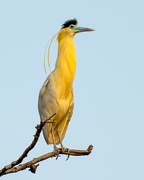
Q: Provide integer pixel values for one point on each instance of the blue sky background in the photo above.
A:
(109, 86)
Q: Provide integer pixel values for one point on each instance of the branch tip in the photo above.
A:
(90, 148)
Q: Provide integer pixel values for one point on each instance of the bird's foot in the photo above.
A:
(56, 152)
(63, 149)
(67, 157)
(67, 150)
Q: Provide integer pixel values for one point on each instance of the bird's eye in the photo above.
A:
(71, 26)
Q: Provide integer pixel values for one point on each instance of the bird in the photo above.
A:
(56, 95)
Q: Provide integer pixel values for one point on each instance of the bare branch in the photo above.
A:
(31, 146)
(32, 166)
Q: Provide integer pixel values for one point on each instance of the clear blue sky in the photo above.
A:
(109, 86)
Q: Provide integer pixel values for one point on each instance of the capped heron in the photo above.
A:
(56, 94)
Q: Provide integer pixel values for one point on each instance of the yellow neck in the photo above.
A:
(66, 60)
(66, 63)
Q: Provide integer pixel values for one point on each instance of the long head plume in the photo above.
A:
(51, 40)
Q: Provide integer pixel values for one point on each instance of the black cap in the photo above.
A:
(69, 22)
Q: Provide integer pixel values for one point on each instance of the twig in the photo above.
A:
(31, 146)
(32, 166)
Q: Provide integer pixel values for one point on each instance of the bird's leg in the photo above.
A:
(63, 149)
(55, 148)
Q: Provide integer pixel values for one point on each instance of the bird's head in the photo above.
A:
(70, 28)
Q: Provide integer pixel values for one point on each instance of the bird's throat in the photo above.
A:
(66, 64)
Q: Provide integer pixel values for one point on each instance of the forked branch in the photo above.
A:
(32, 166)
(30, 147)
(15, 166)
